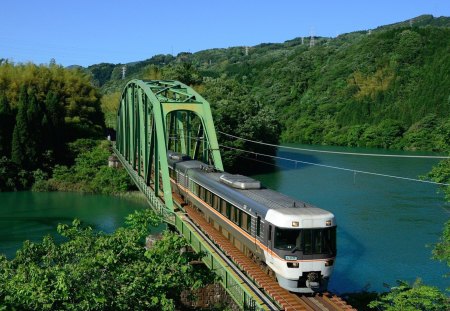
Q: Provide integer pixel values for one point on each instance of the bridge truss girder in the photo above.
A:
(156, 115)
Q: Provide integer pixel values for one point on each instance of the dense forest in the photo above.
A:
(385, 88)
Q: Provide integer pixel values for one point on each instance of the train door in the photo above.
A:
(270, 243)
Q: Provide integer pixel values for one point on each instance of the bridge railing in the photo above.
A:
(232, 284)
(156, 204)
(240, 293)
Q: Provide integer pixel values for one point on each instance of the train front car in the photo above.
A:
(301, 247)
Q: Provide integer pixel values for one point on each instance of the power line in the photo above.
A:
(338, 168)
(338, 152)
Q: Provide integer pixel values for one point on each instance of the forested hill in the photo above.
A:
(388, 87)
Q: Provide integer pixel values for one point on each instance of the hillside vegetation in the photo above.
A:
(386, 88)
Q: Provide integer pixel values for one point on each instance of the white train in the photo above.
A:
(291, 239)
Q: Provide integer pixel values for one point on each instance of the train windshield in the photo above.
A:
(309, 241)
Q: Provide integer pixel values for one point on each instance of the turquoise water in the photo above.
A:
(385, 225)
(31, 215)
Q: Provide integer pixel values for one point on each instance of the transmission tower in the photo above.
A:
(124, 70)
(312, 41)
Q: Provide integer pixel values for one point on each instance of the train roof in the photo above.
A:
(253, 200)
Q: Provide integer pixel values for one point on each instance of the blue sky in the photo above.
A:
(88, 32)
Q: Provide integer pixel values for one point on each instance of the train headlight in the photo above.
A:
(287, 257)
(328, 223)
(293, 264)
(329, 263)
(295, 224)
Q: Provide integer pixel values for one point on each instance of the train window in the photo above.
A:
(208, 197)
(223, 207)
(310, 241)
(317, 242)
(258, 226)
(246, 221)
(236, 215)
(216, 202)
(195, 188)
(288, 239)
(202, 193)
(307, 242)
(229, 210)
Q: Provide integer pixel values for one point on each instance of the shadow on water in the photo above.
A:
(353, 254)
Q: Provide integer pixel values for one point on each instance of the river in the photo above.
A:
(385, 225)
(32, 215)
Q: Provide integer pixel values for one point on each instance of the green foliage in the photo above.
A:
(101, 72)
(405, 297)
(184, 72)
(41, 109)
(90, 172)
(110, 105)
(73, 99)
(12, 177)
(441, 174)
(342, 91)
(234, 111)
(441, 251)
(97, 271)
(6, 128)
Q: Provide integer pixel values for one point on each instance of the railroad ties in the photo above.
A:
(286, 300)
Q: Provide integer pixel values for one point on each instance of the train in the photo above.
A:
(291, 240)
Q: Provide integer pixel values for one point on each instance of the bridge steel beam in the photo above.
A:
(143, 129)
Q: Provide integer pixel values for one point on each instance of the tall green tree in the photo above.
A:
(6, 127)
(20, 142)
(54, 131)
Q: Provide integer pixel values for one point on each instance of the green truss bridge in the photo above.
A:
(157, 116)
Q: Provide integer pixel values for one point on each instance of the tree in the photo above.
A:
(416, 297)
(21, 132)
(237, 112)
(54, 131)
(97, 271)
(441, 251)
(6, 126)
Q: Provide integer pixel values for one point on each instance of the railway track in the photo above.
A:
(284, 299)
